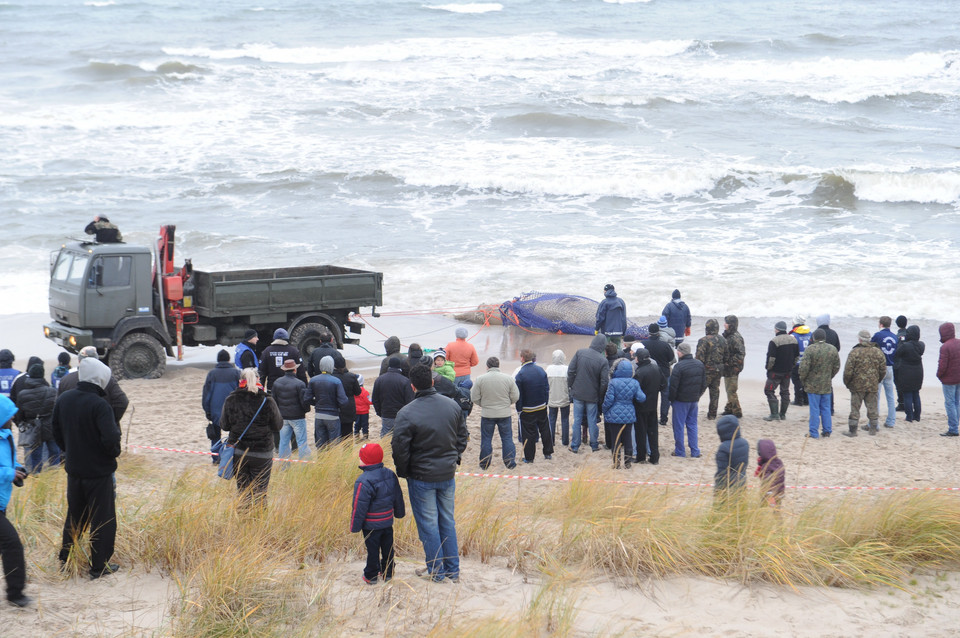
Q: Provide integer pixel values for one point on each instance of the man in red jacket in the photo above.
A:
(948, 371)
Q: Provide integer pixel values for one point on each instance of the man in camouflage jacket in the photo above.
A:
(732, 364)
(819, 364)
(865, 368)
(710, 351)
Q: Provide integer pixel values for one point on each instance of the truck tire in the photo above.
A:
(306, 337)
(138, 356)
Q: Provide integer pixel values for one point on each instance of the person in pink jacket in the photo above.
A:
(948, 371)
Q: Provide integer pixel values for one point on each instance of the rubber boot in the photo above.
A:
(853, 430)
(774, 414)
(874, 428)
(784, 404)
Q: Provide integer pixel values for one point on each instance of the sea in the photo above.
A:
(767, 159)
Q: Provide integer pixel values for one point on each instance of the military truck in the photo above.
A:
(134, 306)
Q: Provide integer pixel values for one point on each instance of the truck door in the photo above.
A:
(110, 291)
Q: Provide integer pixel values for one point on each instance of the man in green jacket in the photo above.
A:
(819, 364)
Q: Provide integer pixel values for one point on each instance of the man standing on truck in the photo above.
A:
(246, 354)
(106, 233)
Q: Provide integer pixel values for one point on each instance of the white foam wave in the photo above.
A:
(922, 187)
(96, 3)
(473, 7)
(627, 1)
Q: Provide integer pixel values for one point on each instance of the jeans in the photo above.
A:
(362, 424)
(379, 544)
(326, 430)
(564, 423)
(291, 428)
(820, 413)
(386, 426)
(887, 386)
(432, 505)
(911, 405)
(951, 401)
(578, 408)
(509, 449)
(35, 459)
(685, 417)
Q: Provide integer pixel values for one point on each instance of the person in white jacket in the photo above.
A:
(559, 401)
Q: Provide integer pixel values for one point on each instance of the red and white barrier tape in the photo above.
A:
(566, 479)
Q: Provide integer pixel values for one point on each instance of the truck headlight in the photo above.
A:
(46, 331)
(188, 301)
(72, 341)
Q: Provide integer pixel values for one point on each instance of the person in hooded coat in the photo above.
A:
(611, 316)
(392, 349)
(115, 396)
(908, 372)
(587, 379)
(11, 473)
(733, 455)
(771, 472)
(711, 350)
(677, 316)
(559, 401)
(733, 356)
(220, 382)
(948, 372)
(35, 402)
(619, 413)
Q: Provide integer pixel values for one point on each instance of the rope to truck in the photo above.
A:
(567, 479)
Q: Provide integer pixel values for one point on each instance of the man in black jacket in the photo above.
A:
(663, 354)
(290, 393)
(114, 395)
(85, 429)
(687, 384)
(587, 378)
(429, 439)
(782, 353)
(273, 356)
(35, 401)
(391, 391)
(325, 349)
(651, 382)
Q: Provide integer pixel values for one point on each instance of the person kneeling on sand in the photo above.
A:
(377, 500)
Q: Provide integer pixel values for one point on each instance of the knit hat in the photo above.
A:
(6, 357)
(371, 454)
(780, 325)
(608, 287)
(280, 333)
(819, 334)
(35, 371)
(864, 336)
(461, 333)
(901, 322)
(653, 329)
(676, 294)
(799, 320)
(87, 351)
(289, 364)
(394, 362)
(684, 348)
(426, 360)
(249, 334)
(439, 353)
(223, 356)
(63, 358)
(662, 321)
(637, 346)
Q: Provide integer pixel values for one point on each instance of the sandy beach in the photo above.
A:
(166, 413)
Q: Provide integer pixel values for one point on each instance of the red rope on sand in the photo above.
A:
(566, 479)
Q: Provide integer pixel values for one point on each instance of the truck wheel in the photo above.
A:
(138, 356)
(306, 337)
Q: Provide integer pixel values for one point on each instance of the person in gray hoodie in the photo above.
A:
(733, 455)
(559, 401)
(587, 378)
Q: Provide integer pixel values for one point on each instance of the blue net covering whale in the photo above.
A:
(559, 313)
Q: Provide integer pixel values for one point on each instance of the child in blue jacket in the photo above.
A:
(11, 473)
(377, 500)
(619, 414)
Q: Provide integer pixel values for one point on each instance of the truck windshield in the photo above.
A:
(62, 269)
(70, 268)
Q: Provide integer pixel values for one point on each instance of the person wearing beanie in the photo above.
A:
(712, 350)
(325, 393)
(865, 368)
(667, 333)
(391, 391)
(664, 354)
(558, 402)
(428, 443)
(35, 401)
(377, 500)
(85, 429)
(444, 366)
(22, 377)
(948, 372)
(901, 322)
(11, 473)
(7, 372)
(908, 363)
(463, 355)
(800, 332)
(687, 384)
(246, 352)
(611, 316)
(362, 402)
(115, 395)
(782, 354)
(677, 316)
(220, 382)
(497, 394)
(62, 369)
(819, 365)
(733, 357)
(887, 342)
(327, 348)
(273, 356)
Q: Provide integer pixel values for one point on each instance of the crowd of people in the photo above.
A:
(261, 397)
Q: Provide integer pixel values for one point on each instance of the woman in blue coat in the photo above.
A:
(619, 414)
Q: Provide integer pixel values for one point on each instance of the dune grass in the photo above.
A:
(260, 572)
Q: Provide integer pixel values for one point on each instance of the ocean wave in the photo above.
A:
(473, 7)
(99, 3)
(924, 187)
(540, 124)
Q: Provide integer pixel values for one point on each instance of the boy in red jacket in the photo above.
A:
(362, 402)
(377, 500)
